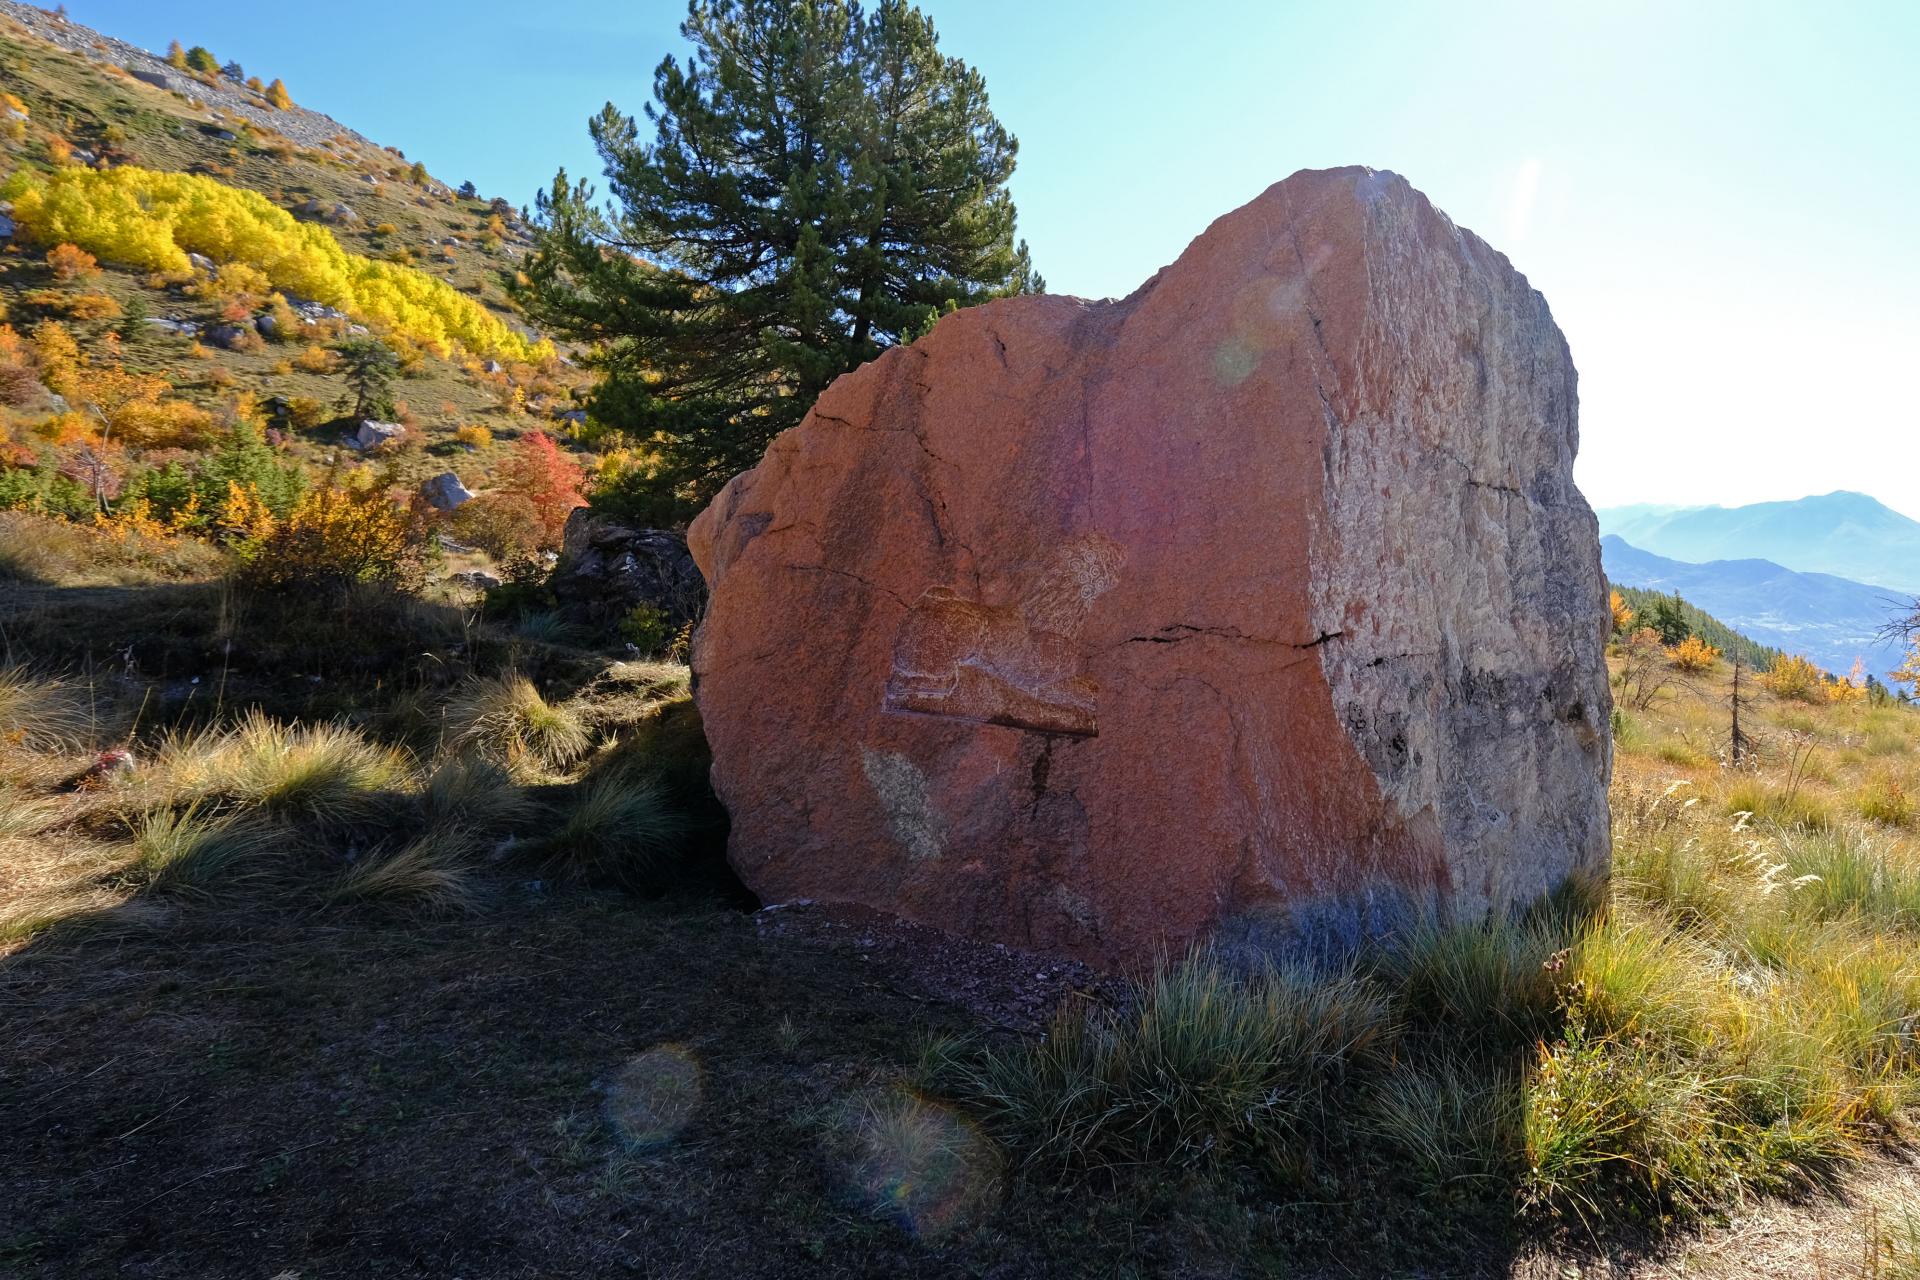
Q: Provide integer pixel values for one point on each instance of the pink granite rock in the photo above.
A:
(1260, 603)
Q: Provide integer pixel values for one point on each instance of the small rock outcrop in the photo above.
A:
(444, 492)
(372, 435)
(606, 568)
(1258, 605)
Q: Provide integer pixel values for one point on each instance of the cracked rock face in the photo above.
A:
(1259, 605)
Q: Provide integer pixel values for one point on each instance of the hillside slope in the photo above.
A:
(1826, 618)
(1848, 535)
(95, 133)
(305, 126)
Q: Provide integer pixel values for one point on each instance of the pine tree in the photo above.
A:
(823, 183)
(1670, 619)
(245, 459)
(370, 367)
(201, 59)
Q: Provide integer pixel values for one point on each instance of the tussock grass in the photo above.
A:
(40, 714)
(1883, 798)
(1842, 875)
(1792, 807)
(1203, 1065)
(433, 874)
(507, 719)
(621, 827)
(325, 775)
(1683, 753)
(191, 854)
(472, 793)
(1494, 983)
(1451, 1121)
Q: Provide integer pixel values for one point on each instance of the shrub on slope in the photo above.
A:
(143, 218)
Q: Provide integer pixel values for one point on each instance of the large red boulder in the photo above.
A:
(1259, 604)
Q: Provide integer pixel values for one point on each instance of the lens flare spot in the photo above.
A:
(654, 1096)
(1286, 299)
(917, 1162)
(1233, 360)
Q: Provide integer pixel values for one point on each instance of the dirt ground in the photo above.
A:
(584, 1084)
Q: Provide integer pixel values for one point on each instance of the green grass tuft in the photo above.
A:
(472, 793)
(1494, 983)
(1202, 1066)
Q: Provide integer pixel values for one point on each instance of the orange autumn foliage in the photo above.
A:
(69, 262)
(547, 479)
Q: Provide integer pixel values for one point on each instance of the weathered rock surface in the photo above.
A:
(444, 492)
(606, 568)
(372, 435)
(1259, 604)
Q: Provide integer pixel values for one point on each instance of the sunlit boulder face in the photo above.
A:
(1258, 605)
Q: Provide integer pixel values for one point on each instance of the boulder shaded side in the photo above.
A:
(1260, 603)
(607, 568)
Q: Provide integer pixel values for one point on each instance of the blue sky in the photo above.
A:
(1719, 199)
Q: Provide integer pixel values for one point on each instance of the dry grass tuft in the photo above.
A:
(620, 827)
(191, 854)
(506, 719)
(40, 714)
(433, 874)
(326, 775)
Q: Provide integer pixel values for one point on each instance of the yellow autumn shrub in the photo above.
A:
(339, 535)
(1792, 676)
(1693, 654)
(1851, 688)
(146, 219)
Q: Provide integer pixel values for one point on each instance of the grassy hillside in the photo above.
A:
(1754, 655)
(139, 176)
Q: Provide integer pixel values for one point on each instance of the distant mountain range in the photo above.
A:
(1849, 535)
(1830, 619)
